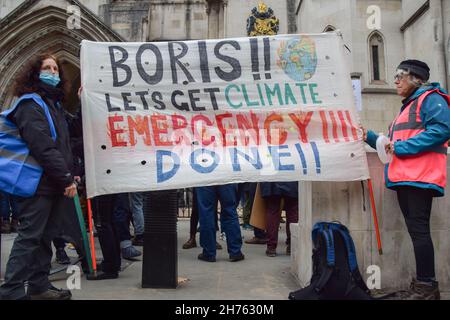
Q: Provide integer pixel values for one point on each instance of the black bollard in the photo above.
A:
(160, 260)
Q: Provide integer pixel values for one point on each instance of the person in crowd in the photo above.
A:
(42, 81)
(137, 211)
(192, 243)
(207, 198)
(121, 222)
(273, 194)
(61, 255)
(8, 213)
(103, 211)
(417, 172)
(259, 235)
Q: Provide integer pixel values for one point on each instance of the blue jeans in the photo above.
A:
(229, 221)
(137, 209)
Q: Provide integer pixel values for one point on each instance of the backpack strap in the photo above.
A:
(349, 245)
(323, 229)
(351, 253)
(326, 235)
(36, 98)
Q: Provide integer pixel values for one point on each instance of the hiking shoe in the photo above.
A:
(61, 256)
(191, 243)
(218, 246)
(256, 240)
(202, 257)
(102, 275)
(5, 227)
(271, 252)
(130, 253)
(51, 293)
(421, 291)
(138, 240)
(236, 258)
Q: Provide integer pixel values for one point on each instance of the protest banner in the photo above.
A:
(169, 115)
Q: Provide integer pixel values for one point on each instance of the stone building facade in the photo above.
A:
(408, 29)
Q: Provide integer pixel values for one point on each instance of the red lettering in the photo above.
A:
(246, 125)
(159, 126)
(179, 124)
(323, 116)
(334, 123)
(115, 133)
(302, 121)
(140, 125)
(349, 118)
(344, 126)
(224, 131)
(202, 136)
(279, 132)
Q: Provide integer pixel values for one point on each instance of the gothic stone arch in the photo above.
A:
(27, 31)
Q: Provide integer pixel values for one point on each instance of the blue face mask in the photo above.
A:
(50, 79)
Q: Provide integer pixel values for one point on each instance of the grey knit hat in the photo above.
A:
(417, 68)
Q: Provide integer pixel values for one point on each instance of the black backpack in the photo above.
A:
(335, 270)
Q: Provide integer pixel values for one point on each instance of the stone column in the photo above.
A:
(346, 202)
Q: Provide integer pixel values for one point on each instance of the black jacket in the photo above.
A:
(55, 157)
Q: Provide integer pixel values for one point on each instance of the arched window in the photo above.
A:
(329, 28)
(377, 60)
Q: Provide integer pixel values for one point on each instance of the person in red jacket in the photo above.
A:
(418, 169)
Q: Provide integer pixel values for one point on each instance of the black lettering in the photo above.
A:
(126, 101)
(142, 94)
(157, 98)
(157, 76)
(108, 104)
(183, 106)
(204, 67)
(195, 99)
(119, 64)
(175, 59)
(212, 94)
(234, 63)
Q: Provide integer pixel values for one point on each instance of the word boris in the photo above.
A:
(212, 59)
(231, 129)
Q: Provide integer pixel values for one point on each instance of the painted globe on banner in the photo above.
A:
(298, 58)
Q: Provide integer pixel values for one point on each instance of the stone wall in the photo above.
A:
(344, 202)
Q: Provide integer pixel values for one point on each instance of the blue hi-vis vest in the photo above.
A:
(19, 171)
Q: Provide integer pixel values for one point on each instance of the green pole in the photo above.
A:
(87, 248)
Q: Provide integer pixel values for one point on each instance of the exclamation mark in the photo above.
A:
(316, 156)
(255, 59)
(267, 58)
(344, 126)
(333, 121)
(349, 118)
(323, 116)
(302, 157)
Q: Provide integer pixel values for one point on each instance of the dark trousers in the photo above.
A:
(415, 204)
(122, 216)
(103, 207)
(194, 217)
(207, 198)
(40, 220)
(273, 216)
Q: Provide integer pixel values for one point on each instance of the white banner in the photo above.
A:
(170, 115)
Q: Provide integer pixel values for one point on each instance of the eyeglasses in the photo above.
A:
(399, 77)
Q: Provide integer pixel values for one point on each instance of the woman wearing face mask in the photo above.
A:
(42, 81)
